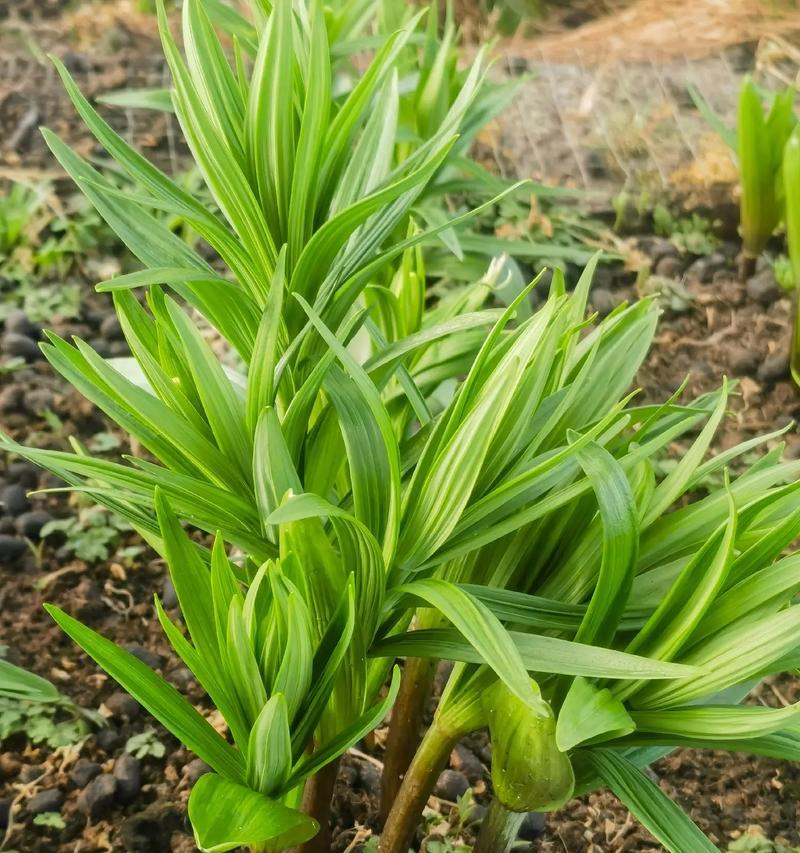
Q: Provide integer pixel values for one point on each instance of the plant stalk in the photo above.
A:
(499, 829)
(317, 797)
(416, 787)
(405, 727)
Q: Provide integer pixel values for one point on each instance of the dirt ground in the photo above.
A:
(713, 325)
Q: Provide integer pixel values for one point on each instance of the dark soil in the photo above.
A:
(713, 325)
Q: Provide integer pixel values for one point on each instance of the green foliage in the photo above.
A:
(146, 744)
(692, 235)
(91, 535)
(52, 820)
(382, 452)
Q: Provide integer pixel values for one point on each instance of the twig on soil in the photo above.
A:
(365, 757)
(27, 123)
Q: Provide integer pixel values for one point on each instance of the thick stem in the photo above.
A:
(747, 266)
(499, 829)
(317, 797)
(417, 786)
(405, 727)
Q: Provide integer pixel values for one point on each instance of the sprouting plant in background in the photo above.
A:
(341, 466)
(757, 143)
(791, 184)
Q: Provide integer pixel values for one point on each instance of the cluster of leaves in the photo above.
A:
(40, 244)
(91, 535)
(395, 471)
(32, 706)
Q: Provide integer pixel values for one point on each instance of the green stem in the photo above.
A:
(499, 829)
(405, 727)
(417, 786)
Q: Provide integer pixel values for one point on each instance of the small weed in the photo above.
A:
(145, 744)
(691, 235)
(91, 535)
(51, 819)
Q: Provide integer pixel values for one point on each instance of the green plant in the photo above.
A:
(758, 143)
(791, 177)
(31, 705)
(91, 535)
(390, 471)
(53, 820)
(693, 235)
(145, 744)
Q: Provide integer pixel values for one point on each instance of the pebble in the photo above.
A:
(602, 301)
(11, 399)
(128, 773)
(83, 772)
(39, 400)
(97, 798)
(151, 829)
(30, 772)
(20, 346)
(9, 765)
(108, 739)
(111, 328)
(532, 826)
(774, 367)
(18, 323)
(670, 266)
(195, 769)
(763, 288)
(14, 499)
(658, 247)
(30, 524)
(11, 548)
(451, 785)
(123, 706)
(5, 813)
(152, 659)
(476, 813)
(703, 269)
(24, 473)
(49, 800)
(169, 597)
(467, 762)
(743, 361)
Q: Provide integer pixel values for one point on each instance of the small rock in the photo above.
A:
(658, 248)
(532, 826)
(20, 346)
(39, 400)
(97, 798)
(50, 800)
(774, 367)
(122, 706)
(30, 772)
(9, 765)
(168, 596)
(763, 288)
(602, 301)
(5, 813)
(451, 785)
(743, 361)
(128, 773)
(108, 739)
(111, 328)
(11, 548)
(83, 772)
(670, 266)
(11, 399)
(24, 473)
(14, 499)
(30, 524)
(17, 322)
(463, 759)
(703, 269)
(195, 769)
(145, 655)
(151, 829)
